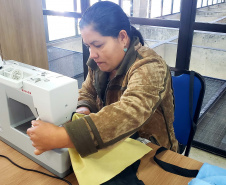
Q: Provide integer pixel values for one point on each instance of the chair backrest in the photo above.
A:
(189, 89)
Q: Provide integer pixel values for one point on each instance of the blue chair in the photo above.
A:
(189, 89)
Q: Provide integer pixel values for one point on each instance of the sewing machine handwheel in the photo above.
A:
(16, 74)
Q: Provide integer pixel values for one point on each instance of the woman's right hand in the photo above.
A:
(83, 110)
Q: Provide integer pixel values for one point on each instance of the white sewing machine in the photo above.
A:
(26, 93)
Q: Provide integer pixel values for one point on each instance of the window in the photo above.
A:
(60, 27)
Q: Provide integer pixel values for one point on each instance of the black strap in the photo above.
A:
(172, 168)
(193, 125)
(191, 90)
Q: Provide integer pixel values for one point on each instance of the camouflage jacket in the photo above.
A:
(139, 98)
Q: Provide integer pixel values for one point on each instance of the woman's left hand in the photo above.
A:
(46, 136)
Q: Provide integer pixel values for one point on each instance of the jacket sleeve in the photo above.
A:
(87, 94)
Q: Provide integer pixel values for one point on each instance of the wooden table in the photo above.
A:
(149, 172)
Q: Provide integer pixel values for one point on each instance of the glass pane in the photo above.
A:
(66, 57)
(142, 8)
(167, 7)
(173, 10)
(204, 3)
(60, 5)
(65, 49)
(126, 6)
(162, 9)
(213, 12)
(114, 1)
(208, 54)
(92, 2)
(162, 40)
(155, 8)
(209, 2)
(199, 3)
(60, 27)
(78, 6)
(176, 6)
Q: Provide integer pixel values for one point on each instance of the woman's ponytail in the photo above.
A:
(135, 32)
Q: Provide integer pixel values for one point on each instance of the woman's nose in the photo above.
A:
(93, 53)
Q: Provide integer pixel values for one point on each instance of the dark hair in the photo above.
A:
(108, 19)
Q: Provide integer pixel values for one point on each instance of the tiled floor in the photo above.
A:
(206, 157)
(211, 129)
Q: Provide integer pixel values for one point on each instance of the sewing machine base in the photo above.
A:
(62, 174)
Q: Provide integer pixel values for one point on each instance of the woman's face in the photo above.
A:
(106, 51)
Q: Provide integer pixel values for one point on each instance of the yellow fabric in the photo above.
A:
(100, 167)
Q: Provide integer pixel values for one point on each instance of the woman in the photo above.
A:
(127, 90)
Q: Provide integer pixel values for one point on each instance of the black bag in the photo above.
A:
(127, 176)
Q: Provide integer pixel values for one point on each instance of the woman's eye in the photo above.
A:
(98, 46)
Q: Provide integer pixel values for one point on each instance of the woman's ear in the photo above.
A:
(123, 36)
(124, 40)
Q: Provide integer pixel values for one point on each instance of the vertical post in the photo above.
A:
(131, 8)
(162, 7)
(184, 47)
(45, 21)
(172, 2)
(85, 58)
(76, 19)
(149, 9)
(120, 3)
(84, 5)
